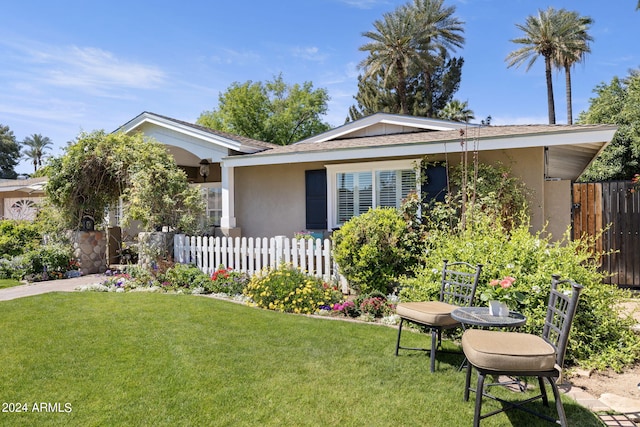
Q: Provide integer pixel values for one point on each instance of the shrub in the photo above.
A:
(12, 268)
(226, 281)
(600, 337)
(348, 308)
(18, 237)
(185, 276)
(376, 306)
(372, 250)
(47, 262)
(290, 290)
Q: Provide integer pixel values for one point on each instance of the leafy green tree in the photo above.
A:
(9, 153)
(545, 34)
(457, 111)
(274, 111)
(573, 50)
(617, 103)
(37, 144)
(99, 168)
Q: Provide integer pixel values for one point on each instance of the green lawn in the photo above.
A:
(8, 283)
(178, 360)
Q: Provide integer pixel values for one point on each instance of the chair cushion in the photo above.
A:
(507, 351)
(433, 313)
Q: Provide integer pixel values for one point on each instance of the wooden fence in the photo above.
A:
(615, 206)
(250, 255)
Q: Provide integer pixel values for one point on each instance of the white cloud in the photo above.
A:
(88, 69)
(310, 53)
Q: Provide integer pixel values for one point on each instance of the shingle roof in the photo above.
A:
(479, 133)
(242, 139)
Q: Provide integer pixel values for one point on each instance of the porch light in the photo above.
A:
(204, 169)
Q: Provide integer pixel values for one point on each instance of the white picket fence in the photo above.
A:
(251, 255)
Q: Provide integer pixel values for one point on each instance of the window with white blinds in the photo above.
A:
(355, 194)
(358, 191)
(393, 186)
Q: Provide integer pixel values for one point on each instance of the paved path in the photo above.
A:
(64, 285)
(608, 402)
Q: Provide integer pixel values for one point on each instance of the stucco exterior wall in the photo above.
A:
(528, 165)
(525, 163)
(557, 203)
(270, 200)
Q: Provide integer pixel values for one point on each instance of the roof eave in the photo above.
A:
(151, 118)
(426, 148)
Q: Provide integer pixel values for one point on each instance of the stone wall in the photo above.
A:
(90, 249)
(153, 247)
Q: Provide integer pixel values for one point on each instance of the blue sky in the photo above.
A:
(68, 66)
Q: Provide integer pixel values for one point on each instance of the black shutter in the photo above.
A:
(435, 187)
(316, 199)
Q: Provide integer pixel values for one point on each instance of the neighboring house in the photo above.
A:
(19, 198)
(258, 189)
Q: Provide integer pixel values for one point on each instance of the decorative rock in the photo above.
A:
(90, 248)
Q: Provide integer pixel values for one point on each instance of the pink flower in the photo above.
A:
(494, 282)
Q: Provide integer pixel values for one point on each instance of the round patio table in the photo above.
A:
(480, 316)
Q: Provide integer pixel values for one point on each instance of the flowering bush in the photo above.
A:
(290, 290)
(122, 282)
(348, 308)
(502, 290)
(376, 306)
(226, 281)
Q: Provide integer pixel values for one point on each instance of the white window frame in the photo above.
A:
(373, 167)
(205, 186)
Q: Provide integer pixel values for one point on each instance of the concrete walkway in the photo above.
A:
(37, 288)
(627, 411)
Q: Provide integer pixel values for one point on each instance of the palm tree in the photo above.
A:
(573, 49)
(542, 37)
(439, 33)
(37, 145)
(457, 111)
(392, 52)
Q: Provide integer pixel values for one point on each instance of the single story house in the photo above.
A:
(257, 189)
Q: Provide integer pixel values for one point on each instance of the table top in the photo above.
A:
(480, 316)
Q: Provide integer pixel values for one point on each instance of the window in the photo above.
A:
(354, 194)
(357, 187)
(212, 193)
(393, 186)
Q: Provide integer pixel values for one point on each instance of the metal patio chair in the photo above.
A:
(517, 354)
(458, 288)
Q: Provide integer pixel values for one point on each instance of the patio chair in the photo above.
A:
(458, 288)
(517, 354)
